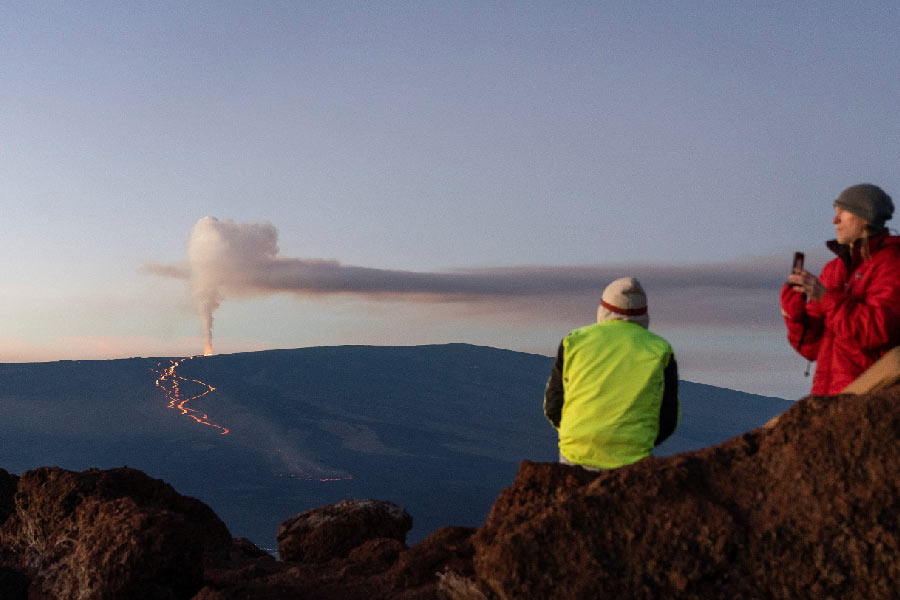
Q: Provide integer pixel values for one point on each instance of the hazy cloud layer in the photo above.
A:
(227, 259)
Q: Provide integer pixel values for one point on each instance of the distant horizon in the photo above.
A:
(215, 354)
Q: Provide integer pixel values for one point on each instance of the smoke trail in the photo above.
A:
(227, 259)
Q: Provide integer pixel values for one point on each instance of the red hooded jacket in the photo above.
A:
(856, 322)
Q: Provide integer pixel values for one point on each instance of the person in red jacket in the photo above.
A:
(849, 316)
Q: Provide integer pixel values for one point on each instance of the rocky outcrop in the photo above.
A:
(106, 534)
(805, 509)
(378, 569)
(121, 534)
(332, 531)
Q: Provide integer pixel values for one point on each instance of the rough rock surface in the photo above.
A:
(805, 509)
(105, 534)
(379, 569)
(332, 531)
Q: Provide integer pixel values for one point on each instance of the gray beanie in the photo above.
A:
(868, 202)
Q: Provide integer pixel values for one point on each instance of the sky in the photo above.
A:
(518, 155)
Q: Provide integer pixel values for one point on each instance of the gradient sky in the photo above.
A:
(702, 139)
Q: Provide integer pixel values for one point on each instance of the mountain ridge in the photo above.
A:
(416, 425)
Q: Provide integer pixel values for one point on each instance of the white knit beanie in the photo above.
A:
(624, 299)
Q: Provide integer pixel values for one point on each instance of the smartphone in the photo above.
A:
(798, 264)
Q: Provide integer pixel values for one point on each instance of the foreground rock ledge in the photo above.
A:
(120, 534)
(807, 508)
(104, 534)
(332, 531)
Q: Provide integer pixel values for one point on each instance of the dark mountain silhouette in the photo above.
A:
(439, 430)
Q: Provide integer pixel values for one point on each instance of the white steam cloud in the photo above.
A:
(228, 259)
(223, 257)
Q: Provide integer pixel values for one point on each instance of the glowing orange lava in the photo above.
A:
(170, 382)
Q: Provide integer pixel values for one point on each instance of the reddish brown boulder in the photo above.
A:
(448, 549)
(805, 509)
(332, 531)
(378, 569)
(108, 534)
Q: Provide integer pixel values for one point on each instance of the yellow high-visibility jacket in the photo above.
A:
(618, 396)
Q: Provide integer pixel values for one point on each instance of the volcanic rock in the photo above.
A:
(379, 569)
(448, 549)
(333, 531)
(107, 534)
(804, 509)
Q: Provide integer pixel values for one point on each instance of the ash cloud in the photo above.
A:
(227, 259)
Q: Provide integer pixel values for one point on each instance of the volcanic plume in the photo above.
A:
(227, 259)
(224, 256)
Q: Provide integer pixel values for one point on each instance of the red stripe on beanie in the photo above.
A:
(634, 312)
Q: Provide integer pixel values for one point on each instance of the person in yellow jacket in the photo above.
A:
(613, 391)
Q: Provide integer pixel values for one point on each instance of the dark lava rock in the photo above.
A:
(107, 534)
(332, 531)
(377, 569)
(805, 509)
(375, 556)
(447, 549)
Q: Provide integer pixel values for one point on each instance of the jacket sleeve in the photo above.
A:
(804, 328)
(554, 395)
(670, 409)
(871, 320)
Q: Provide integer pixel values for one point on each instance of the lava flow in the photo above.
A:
(170, 382)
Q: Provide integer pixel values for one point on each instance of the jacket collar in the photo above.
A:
(853, 260)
